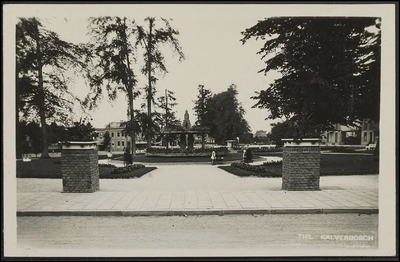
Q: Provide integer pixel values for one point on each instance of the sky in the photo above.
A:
(210, 39)
(215, 57)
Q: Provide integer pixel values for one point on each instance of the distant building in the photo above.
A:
(341, 134)
(261, 133)
(369, 132)
(119, 138)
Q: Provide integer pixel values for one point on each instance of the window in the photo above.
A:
(365, 136)
(117, 134)
(112, 134)
(123, 143)
(118, 143)
(336, 137)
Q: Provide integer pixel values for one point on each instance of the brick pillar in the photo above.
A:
(80, 167)
(301, 164)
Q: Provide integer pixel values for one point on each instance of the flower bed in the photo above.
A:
(130, 171)
(178, 152)
(256, 168)
(126, 169)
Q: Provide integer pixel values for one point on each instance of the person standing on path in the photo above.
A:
(213, 157)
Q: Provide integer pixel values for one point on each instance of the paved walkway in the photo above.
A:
(197, 189)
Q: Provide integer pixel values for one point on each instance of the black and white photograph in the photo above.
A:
(194, 129)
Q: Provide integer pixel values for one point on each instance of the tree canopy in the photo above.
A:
(329, 66)
(151, 39)
(42, 60)
(225, 116)
(111, 57)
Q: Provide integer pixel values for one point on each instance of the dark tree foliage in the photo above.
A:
(168, 116)
(111, 58)
(57, 133)
(167, 103)
(227, 116)
(42, 59)
(329, 66)
(280, 130)
(204, 114)
(81, 131)
(106, 139)
(151, 38)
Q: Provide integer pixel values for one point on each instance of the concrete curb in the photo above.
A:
(220, 212)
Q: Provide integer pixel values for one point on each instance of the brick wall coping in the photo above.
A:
(85, 145)
(288, 142)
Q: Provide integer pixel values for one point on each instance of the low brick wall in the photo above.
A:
(301, 167)
(80, 170)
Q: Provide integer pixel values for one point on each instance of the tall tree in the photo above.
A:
(151, 39)
(204, 114)
(228, 116)
(42, 59)
(167, 103)
(168, 116)
(111, 63)
(324, 69)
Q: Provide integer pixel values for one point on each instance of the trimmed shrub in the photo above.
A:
(251, 168)
(126, 169)
(106, 165)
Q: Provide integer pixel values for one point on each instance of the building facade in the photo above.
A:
(118, 137)
(341, 135)
(369, 132)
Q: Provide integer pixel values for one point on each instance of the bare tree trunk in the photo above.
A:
(150, 89)
(18, 141)
(130, 98)
(133, 135)
(41, 96)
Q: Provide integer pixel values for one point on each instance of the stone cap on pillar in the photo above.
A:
(85, 145)
(301, 142)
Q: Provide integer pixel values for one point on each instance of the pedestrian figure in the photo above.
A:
(26, 148)
(127, 156)
(213, 157)
(109, 155)
(248, 156)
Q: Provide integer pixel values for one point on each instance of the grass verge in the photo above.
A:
(51, 168)
(331, 165)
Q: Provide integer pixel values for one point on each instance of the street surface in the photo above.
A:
(229, 232)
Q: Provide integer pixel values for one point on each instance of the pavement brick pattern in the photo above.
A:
(197, 189)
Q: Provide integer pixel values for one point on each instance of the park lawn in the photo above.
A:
(51, 168)
(331, 165)
(198, 159)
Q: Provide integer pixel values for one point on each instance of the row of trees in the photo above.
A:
(32, 132)
(43, 62)
(330, 74)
